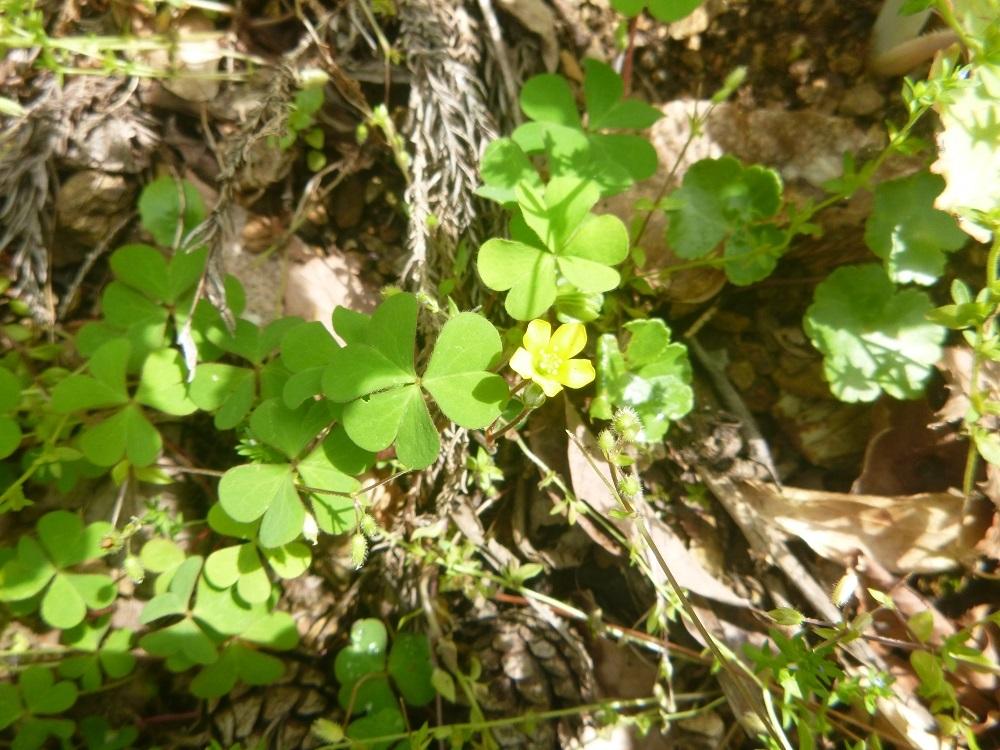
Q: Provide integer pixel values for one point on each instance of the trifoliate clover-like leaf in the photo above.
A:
(41, 568)
(410, 667)
(873, 337)
(581, 151)
(652, 376)
(104, 653)
(553, 236)
(383, 397)
(236, 663)
(908, 233)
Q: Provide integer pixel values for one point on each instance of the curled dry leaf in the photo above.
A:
(907, 534)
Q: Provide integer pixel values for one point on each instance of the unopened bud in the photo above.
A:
(627, 424)
(359, 550)
(629, 487)
(607, 442)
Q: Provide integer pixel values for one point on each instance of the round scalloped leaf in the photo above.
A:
(873, 337)
(908, 233)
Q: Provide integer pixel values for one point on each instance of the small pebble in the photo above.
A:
(864, 99)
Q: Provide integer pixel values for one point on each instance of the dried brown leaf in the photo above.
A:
(907, 534)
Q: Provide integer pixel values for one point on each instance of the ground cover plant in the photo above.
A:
(587, 438)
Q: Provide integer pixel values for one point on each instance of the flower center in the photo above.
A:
(548, 363)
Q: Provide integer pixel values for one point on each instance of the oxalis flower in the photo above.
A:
(546, 357)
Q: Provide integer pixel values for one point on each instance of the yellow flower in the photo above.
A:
(546, 357)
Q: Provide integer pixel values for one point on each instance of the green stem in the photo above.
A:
(616, 706)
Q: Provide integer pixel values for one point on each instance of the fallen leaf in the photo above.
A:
(908, 534)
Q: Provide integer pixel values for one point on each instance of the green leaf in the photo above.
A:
(908, 233)
(160, 555)
(652, 377)
(143, 268)
(127, 432)
(62, 606)
(220, 522)
(275, 630)
(603, 89)
(246, 492)
(289, 430)
(42, 694)
(359, 369)
(399, 415)
(456, 375)
(873, 338)
(350, 325)
(237, 662)
(502, 167)
(107, 386)
(184, 272)
(10, 705)
(61, 534)
(716, 197)
(160, 209)
(752, 253)
(528, 272)
(239, 565)
(27, 574)
(10, 436)
(10, 390)
(548, 98)
(185, 638)
(410, 667)
(163, 384)
(365, 654)
(225, 389)
(669, 11)
(290, 560)
(306, 351)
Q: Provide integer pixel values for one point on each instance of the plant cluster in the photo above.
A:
(311, 413)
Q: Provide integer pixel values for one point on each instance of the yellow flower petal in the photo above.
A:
(523, 364)
(569, 339)
(536, 337)
(576, 373)
(549, 386)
